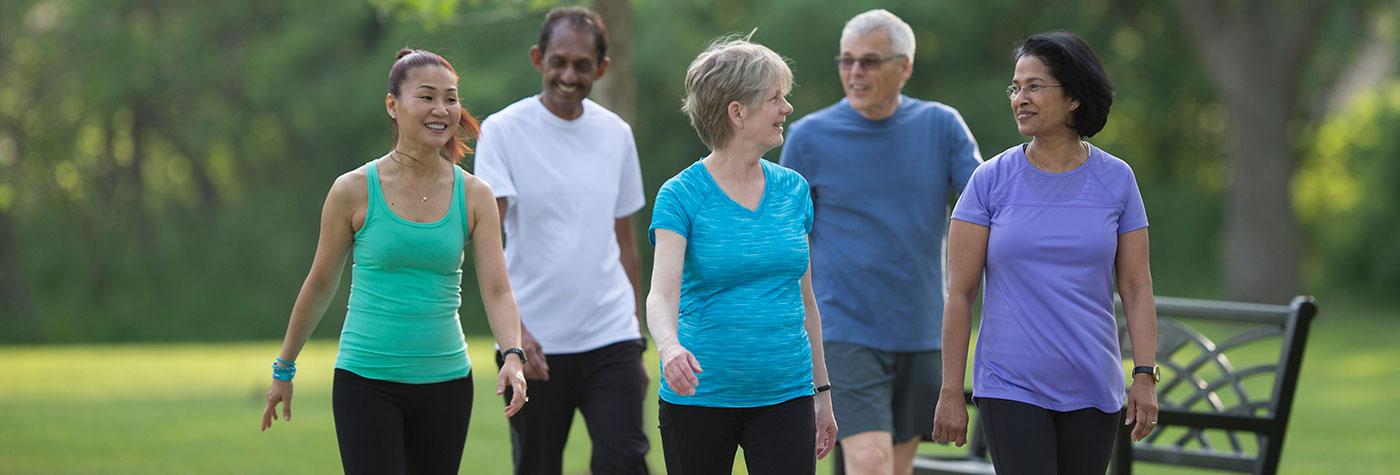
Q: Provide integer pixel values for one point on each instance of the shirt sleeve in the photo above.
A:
(804, 194)
(963, 154)
(1134, 215)
(492, 161)
(974, 205)
(629, 189)
(671, 210)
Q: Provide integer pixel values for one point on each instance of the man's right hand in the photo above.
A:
(536, 367)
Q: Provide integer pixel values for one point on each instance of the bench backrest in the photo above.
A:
(1229, 375)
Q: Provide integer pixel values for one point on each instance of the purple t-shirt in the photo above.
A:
(1048, 334)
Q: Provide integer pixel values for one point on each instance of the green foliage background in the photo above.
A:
(162, 164)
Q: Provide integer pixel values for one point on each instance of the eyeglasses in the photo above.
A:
(1030, 89)
(866, 63)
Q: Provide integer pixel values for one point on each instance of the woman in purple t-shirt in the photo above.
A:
(1056, 225)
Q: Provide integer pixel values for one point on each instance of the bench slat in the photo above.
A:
(1173, 456)
(1258, 425)
(1217, 310)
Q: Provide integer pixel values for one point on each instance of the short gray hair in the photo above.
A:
(901, 35)
(731, 69)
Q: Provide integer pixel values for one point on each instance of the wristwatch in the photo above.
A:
(1154, 371)
(514, 351)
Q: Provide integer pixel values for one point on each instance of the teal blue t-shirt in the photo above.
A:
(741, 311)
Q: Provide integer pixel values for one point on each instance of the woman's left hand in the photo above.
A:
(826, 424)
(1142, 407)
(513, 375)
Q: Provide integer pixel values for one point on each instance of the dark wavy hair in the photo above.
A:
(1073, 63)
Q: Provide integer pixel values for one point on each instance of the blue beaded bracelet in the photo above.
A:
(283, 370)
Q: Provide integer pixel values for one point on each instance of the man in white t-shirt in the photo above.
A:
(567, 180)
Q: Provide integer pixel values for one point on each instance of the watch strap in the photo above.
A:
(517, 351)
(1152, 371)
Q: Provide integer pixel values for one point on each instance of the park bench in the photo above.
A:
(1229, 373)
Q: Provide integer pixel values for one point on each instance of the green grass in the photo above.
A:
(194, 408)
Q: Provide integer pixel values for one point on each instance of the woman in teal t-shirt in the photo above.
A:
(402, 392)
(731, 305)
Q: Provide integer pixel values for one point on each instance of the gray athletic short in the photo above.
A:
(874, 390)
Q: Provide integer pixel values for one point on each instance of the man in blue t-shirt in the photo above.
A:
(881, 168)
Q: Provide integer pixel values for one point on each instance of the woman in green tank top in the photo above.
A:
(402, 387)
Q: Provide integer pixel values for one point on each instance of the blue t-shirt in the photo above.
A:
(741, 311)
(1048, 334)
(881, 191)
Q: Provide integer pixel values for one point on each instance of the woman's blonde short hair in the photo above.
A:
(731, 69)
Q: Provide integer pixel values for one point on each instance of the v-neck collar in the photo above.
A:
(762, 198)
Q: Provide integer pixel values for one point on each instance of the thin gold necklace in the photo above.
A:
(1082, 144)
(432, 184)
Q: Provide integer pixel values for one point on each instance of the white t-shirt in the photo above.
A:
(566, 182)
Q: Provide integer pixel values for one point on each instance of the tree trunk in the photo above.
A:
(1262, 248)
(1255, 51)
(617, 90)
(15, 302)
(138, 214)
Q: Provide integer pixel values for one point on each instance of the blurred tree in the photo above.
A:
(1257, 52)
(163, 164)
(15, 299)
(1346, 195)
(617, 90)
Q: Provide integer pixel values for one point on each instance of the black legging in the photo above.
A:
(395, 428)
(777, 439)
(1028, 439)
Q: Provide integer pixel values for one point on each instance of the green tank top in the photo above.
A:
(405, 289)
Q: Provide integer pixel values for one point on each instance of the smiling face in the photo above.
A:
(426, 110)
(873, 92)
(568, 66)
(1041, 108)
(762, 123)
